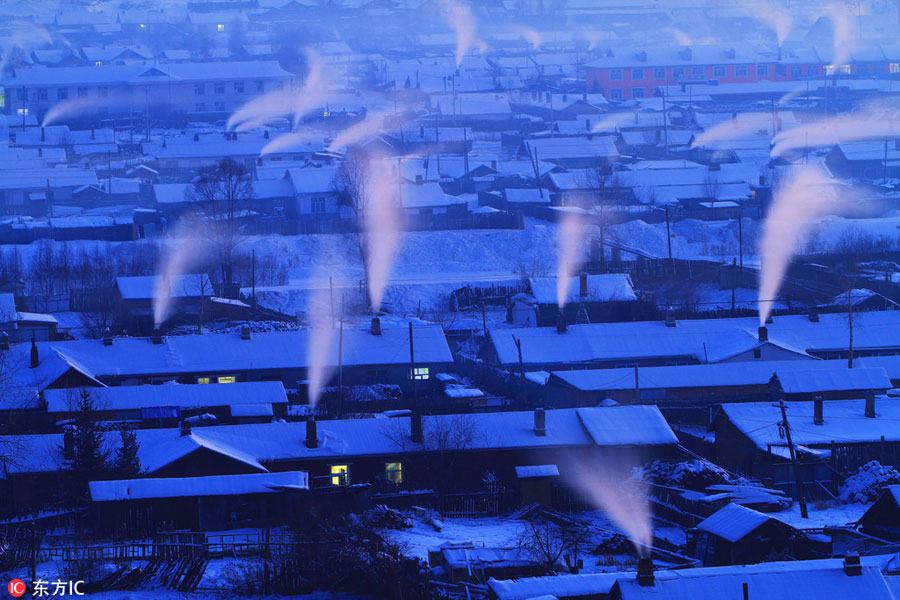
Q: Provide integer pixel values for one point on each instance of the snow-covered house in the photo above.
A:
(136, 296)
(588, 298)
(882, 519)
(735, 535)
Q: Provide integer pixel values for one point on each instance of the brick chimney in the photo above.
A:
(645, 577)
(763, 334)
(312, 433)
(818, 411)
(107, 337)
(185, 428)
(870, 404)
(583, 285)
(376, 326)
(540, 422)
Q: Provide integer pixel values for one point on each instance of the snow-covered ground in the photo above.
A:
(822, 514)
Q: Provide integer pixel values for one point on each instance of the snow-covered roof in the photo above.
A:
(159, 73)
(312, 180)
(639, 425)
(809, 381)
(184, 487)
(844, 422)
(705, 340)
(608, 287)
(733, 521)
(252, 409)
(532, 471)
(228, 353)
(135, 397)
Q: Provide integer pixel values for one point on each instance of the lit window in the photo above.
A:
(393, 472)
(99, 63)
(894, 67)
(340, 474)
(203, 380)
(845, 69)
(143, 26)
(22, 112)
(220, 27)
(227, 379)
(419, 373)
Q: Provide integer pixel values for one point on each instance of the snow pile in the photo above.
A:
(688, 474)
(868, 482)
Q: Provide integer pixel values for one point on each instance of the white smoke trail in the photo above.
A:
(680, 37)
(285, 102)
(532, 36)
(382, 223)
(71, 107)
(373, 123)
(187, 249)
(868, 124)
(463, 24)
(612, 122)
(26, 39)
(289, 141)
(610, 487)
(804, 197)
(776, 17)
(741, 124)
(843, 38)
(570, 236)
(321, 350)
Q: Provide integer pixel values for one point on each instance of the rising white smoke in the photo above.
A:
(322, 347)
(533, 36)
(873, 123)
(571, 253)
(463, 24)
(806, 196)
(776, 17)
(372, 124)
(187, 249)
(742, 124)
(382, 224)
(844, 41)
(612, 122)
(681, 38)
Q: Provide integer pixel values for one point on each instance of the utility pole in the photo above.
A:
(741, 237)
(669, 239)
(518, 343)
(665, 124)
(253, 282)
(637, 386)
(850, 326)
(341, 368)
(798, 478)
(412, 368)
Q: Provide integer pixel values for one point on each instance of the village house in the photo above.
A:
(135, 297)
(737, 535)
(589, 298)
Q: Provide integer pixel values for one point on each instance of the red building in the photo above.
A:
(633, 73)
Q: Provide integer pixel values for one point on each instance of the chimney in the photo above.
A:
(763, 334)
(415, 427)
(312, 433)
(266, 134)
(870, 404)
(587, 124)
(584, 97)
(43, 134)
(376, 326)
(561, 322)
(35, 357)
(185, 428)
(540, 422)
(196, 137)
(670, 318)
(897, 144)
(157, 336)
(645, 576)
(818, 410)
(852, 566)
(4, 341)
(582, 285)
(107, 337)
(93, 134)
(813, 314)
(421, 132)
(245, 332)
(419, 179)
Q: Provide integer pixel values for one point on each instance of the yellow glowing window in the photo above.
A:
(227, 379)
(894, 67)
(393, 472)
(143, 26)
(419, 373)
(220, 27)
(22, 112)
(340, 474)
(203, 380)
(99, 63)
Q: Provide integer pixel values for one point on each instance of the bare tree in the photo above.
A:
(223, 194)
(548, 542)
(353, 187)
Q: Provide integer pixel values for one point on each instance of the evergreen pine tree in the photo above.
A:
(89, 458)
(128, 464)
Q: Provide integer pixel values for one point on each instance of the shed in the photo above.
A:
(735, 534)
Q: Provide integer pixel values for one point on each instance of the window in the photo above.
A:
(637, 93)
(893, 67)
(227, 379)
(340, 474)
(219, 88)
(678, 73)
(199, 89)
(82, 92)
(62, 93)
(419, 374)
(102, 92)
(43, 94)
(697, 71)
(637, 74)
(238, 87)
(260, 86)
(740, 71)
(757, 353)
(844, 70)
(99, 63)
(659, 73)
(615, 94)
(393, 472)
(203, 380)
(220, 107)
(762, 69)
(317, 205)
(220, 27)
(22, 112)
(615, 75)
(718, 71)
(200, 107)
(796, 72)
